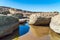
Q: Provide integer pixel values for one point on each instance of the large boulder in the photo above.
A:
(18, 15)
(55, 23)
(7, 25)
(41, 18)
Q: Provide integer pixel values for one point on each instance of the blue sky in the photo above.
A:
(33, 5)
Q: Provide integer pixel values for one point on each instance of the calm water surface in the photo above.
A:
(23, 29)
(40, 31)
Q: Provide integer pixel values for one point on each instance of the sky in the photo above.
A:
(33, 5)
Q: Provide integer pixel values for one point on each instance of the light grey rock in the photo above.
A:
(55, 23)
(7, 25)
(41, 18)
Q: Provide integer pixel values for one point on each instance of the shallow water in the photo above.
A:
(31, 32)
(37, 33)
(40, 33)
(23, 29)
(40, 30)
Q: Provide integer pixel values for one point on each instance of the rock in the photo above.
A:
(18, 15)
(55, 23)
(9, 14)
(41, 18)
(7, 25)
(22, 21)
(5, 13)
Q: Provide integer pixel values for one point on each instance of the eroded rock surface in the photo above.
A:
(55, 23)
(41, 18)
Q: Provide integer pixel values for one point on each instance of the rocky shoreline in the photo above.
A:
(11, 18)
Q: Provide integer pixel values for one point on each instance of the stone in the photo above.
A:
(9, 14)
(41, 18)
(18, 15)
(55, 23)
(7, 25)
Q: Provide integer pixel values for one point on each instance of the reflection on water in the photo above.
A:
(40, 30)
(23, 29)
(38, 33)
(54, 36)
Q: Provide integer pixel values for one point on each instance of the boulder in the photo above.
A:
(7, 25)
(18, 15)
(41, 18)
(55, 23)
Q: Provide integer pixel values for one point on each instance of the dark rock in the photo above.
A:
(7, 25)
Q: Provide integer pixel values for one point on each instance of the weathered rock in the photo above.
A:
(9, 14)
(17, 15)
(41, 18)
(55, 23)
(7, 25)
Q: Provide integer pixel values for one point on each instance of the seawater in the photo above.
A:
(23, 29)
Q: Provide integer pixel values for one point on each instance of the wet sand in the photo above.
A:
(37, 33)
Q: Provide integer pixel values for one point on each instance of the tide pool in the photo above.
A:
(23, 29)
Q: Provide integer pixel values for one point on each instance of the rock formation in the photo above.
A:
(55, 23)
(19, 16)
(41, 18)
(9, 10)
(7, 25)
